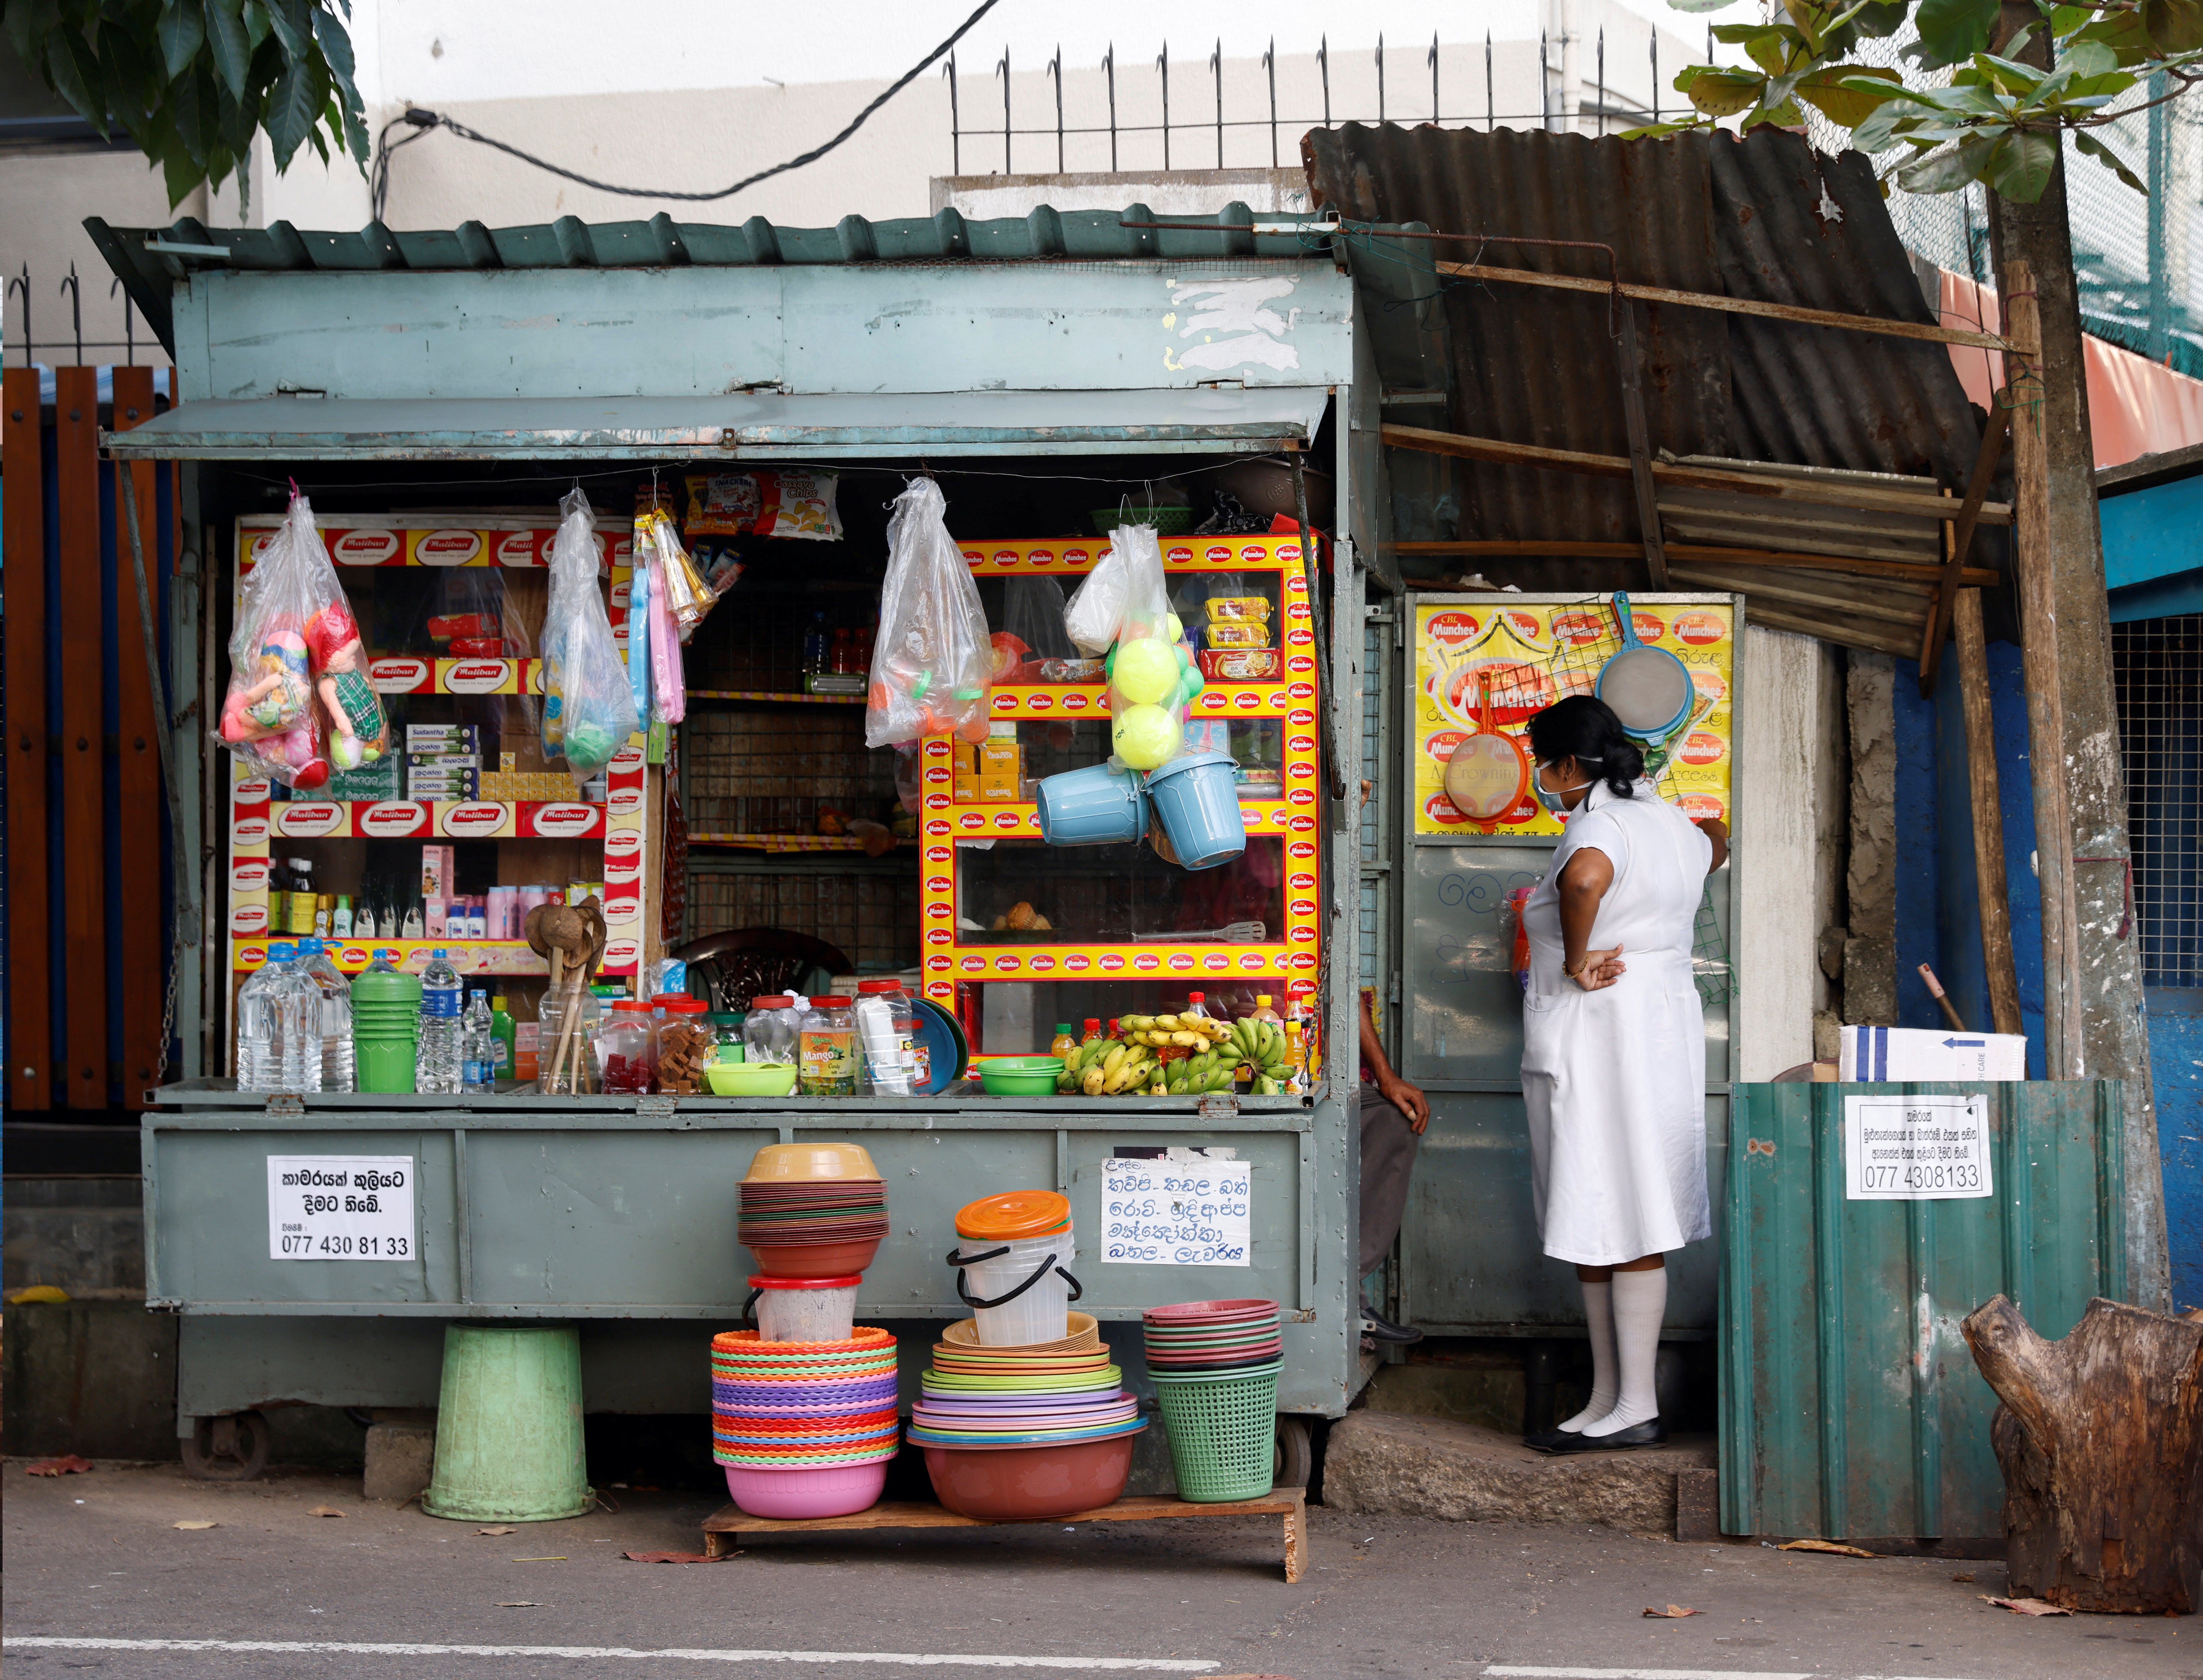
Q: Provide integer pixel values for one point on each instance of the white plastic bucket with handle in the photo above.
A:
(1026, 1282)
(803, 1309)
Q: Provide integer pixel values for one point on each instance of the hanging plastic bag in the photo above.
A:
(686, 593)
(1096, 607)
(1033, 612)
(1151, 675)
(637, 630)
(669, 694)
(932, 661)
(588, 711)
(295, 629)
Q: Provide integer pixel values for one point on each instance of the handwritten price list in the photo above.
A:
(1160, 1213)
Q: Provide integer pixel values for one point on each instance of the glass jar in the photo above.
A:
(627, 1049)
(886, 1040)
(825, 1051)
(575, 1075)
(769, 1030)
(727, 1028)
(686, 1042)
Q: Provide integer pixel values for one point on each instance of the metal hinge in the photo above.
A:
(1219, 1105)
(655, 1108)
(287, 1105)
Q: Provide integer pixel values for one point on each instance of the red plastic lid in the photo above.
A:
(680, 1003)
(879, 985)
(1196, 997)
(667, 1000)
(631, 1006)
(775, 1000)
(848, 1282)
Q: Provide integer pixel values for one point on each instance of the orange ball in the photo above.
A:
(973, 728)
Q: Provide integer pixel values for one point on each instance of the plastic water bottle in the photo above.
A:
(478, 1073)
(297, 999)
(335, 1017)
(436, 1067)
(260, 1012)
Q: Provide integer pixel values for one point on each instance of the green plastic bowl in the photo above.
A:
(750, 1079)
(1019, 1075)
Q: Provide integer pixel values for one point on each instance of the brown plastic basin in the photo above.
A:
(1018, 1484)
(816, 1259)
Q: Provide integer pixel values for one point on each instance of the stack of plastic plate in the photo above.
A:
(1195, 1337)
(804, 1429)
(812, 1209)
(1019, 1433)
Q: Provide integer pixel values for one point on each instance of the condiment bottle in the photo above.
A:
(1093, 1033)
(1196, 1003)
(825, 1054)
(1263, 1012)
(1063, 1043)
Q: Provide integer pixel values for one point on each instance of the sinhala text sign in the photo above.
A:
(340, 1207)
(1170, 1213)
(1899, 1148)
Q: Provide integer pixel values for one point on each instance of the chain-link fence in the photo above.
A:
(2134, 255)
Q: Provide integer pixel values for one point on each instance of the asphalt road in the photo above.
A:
(95, 1571)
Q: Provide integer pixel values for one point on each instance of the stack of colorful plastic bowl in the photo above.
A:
(386, 1030)
(1017, 1434)
(1009, 1255)
(814, 1210)
(1214, 1365)
(804, 1429)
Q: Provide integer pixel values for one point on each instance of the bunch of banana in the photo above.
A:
(1263, 1044)
(1107, 1068)
(1164, 1032)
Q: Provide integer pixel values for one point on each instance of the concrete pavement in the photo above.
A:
(99, 1582)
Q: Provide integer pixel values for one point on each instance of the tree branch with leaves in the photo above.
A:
(2000, 120)
(191, 81)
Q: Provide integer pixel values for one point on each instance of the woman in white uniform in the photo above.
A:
(1613, 1066)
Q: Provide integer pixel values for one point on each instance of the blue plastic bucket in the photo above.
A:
(1196, 801)
(1099, 805)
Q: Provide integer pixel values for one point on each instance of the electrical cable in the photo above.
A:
(424, 121)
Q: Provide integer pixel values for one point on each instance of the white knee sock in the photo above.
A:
(1640, 1302)
(1598, 1311)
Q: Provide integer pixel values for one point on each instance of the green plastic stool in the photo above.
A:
(509, 1426)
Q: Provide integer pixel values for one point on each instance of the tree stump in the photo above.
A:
(2101, 1439)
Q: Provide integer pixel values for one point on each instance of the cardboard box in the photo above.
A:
(967, 788)
(443, 737)
(1880, 1055)
(438, 917)
(443, 761)
(434, 785)
(999, 790)
(967, 757)
(1001, 756)
(438, 874)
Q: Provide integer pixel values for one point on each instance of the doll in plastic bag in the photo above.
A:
(270, 718)
(358, 731)
(933, 663)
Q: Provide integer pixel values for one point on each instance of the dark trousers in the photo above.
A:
(1388, 1162)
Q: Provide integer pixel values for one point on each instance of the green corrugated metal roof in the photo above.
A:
(150, 260)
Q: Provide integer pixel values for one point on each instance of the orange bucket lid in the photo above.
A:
(1020, 1213)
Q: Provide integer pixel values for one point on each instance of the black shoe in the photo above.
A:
(1384, 1330)
(1650, 1433)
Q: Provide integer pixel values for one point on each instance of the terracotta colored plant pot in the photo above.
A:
(816, 1259)
(1018, 1484)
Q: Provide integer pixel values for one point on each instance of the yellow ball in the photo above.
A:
(1146, 672)
(1145, 736)
(1173, 627)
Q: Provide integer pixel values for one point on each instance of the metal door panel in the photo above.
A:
(1464, 1009)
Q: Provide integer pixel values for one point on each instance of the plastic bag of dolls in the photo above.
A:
(588, 709)
(933, 662)
(300, 702)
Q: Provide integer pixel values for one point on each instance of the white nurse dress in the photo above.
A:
(1614, 1080)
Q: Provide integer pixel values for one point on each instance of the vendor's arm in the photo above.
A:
(1717, 832)
(1584, 881)
(1409, 1100)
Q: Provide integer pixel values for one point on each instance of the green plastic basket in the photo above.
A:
(1223, 1432)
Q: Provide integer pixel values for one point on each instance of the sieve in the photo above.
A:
(1488, 772)
(1647, 687)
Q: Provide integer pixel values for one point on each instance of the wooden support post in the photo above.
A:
(30, 1084)
(2100, 1441)
(1947, 585)
(2045, 700)
(1990, 890)
(145, 935)
(1640, 447)
(83, 858)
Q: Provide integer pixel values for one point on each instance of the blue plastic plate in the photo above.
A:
(943, 1038)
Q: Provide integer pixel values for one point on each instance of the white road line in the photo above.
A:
(1516, 1671)
(601, 1653)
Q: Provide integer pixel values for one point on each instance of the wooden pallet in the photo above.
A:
(723, 1530)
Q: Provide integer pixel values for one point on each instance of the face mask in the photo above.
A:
(1551, 801)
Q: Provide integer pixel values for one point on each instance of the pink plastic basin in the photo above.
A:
(827, 1490)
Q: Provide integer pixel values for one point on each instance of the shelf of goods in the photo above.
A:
(1287, 816)
(259, 821)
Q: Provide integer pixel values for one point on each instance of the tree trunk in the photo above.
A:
(2100, 1441)
(2095, 1026)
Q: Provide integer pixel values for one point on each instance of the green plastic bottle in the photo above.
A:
(500, 1039)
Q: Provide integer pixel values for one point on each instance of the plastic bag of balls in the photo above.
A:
(932, 660)
(1152, 675)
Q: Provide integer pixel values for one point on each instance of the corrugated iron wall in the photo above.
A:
(1766, 217)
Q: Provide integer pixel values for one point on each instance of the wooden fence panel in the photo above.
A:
(144, 934)
(82, 738)
(30, 1082)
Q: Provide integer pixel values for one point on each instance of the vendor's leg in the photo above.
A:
(1598, 1316)
(1388, 1162)
(1637, 1302)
